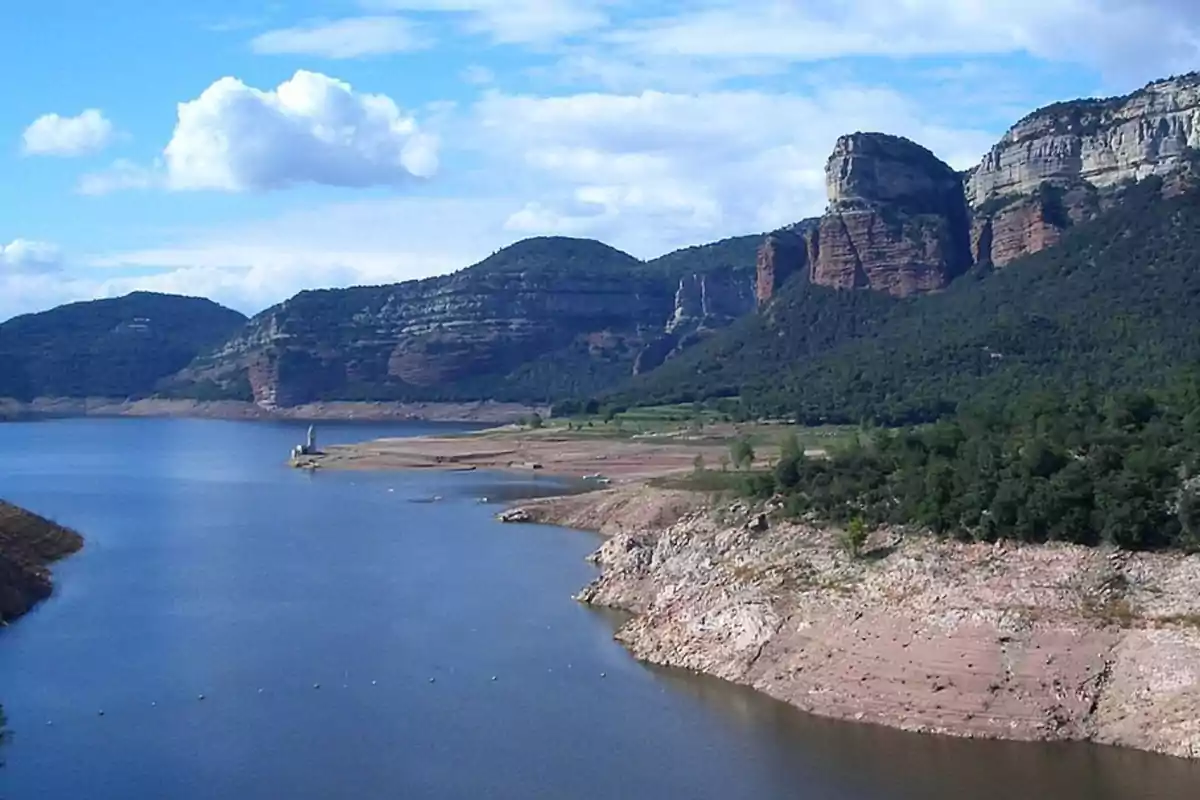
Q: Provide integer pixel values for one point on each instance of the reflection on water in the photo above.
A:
(888, 763)
(211, 567)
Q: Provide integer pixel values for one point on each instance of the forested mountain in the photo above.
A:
(118, 348)
(1115, 304)
(543, 318)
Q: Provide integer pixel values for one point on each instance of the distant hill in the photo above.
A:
(1114, 304)
(543, 318)
(120, 347)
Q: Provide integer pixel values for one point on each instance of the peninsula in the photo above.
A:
(28, 545)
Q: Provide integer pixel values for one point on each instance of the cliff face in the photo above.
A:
(1102, 142)
(1063, 164)
(704, 303)
(897, 220)
(545, 317)
(28, 543)
(1041, 643)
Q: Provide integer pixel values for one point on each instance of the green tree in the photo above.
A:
(741, 452)
(535, 420)
(698, 462)
(854, 537)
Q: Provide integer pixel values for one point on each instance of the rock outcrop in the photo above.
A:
(1063, 164)
(783, 253)
(897, 220)
(28, 544)
(1102, 142)
(1041, 642)
(705, 302)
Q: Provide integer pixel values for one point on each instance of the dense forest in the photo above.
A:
(1082, 467)
(1114, 306)
(118, 347)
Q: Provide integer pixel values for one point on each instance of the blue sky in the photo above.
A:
(246, 150)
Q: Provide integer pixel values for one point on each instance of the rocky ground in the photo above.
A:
(28, 544)
(1002, 641)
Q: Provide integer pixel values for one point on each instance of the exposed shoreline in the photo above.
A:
(50, 407)
(550, 451)
(1038, 643)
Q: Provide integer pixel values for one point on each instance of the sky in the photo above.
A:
(245, 150)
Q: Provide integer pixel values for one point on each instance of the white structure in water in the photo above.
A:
(310, 445)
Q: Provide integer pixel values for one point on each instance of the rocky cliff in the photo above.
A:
(897, 222)
(1059, 165)
(546, 317)
(998, 641)
(28, 544)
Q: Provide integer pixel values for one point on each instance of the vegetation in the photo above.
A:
(1120, 469)
(1113, 306)
(117, 347)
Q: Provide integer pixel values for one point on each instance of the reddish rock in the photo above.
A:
(783, 254)
(897, 218)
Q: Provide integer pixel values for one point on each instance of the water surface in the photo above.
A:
(211, 568)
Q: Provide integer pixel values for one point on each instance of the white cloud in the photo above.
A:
(122, 174)
(656, 170)
(54, 135)
(309, 129)
(29, 257)
(352, 37)
(1150, 37)
(513, 21)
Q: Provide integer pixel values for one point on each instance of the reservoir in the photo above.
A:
(378, 635)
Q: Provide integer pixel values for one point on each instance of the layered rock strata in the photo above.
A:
(999, 641)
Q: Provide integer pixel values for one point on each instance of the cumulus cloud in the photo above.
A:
(352, 37)
(513, 21)
(309, 129)
(54, 135)
(658, 169)
(29, 257)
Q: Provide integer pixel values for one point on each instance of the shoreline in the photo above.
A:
(29, 544)
(1033, 643)
(604, 458)
(332, 411)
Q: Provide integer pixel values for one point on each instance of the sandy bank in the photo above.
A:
(620, 460)
(1035, 643)
(486, 412)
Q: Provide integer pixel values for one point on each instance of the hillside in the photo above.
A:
(28, 543)
(1114, 304)
(545, 317)
(117, 347)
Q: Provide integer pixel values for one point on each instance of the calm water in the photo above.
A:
(212, 568)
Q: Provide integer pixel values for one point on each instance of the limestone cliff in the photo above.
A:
(896, 222)
(704, 303)
(1062, 164)
(28, 543)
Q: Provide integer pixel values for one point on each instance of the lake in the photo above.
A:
(353, 639)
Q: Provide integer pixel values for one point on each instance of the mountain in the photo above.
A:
(543, 318)
(1066, 257)
(1115, 304)
(117, 348)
